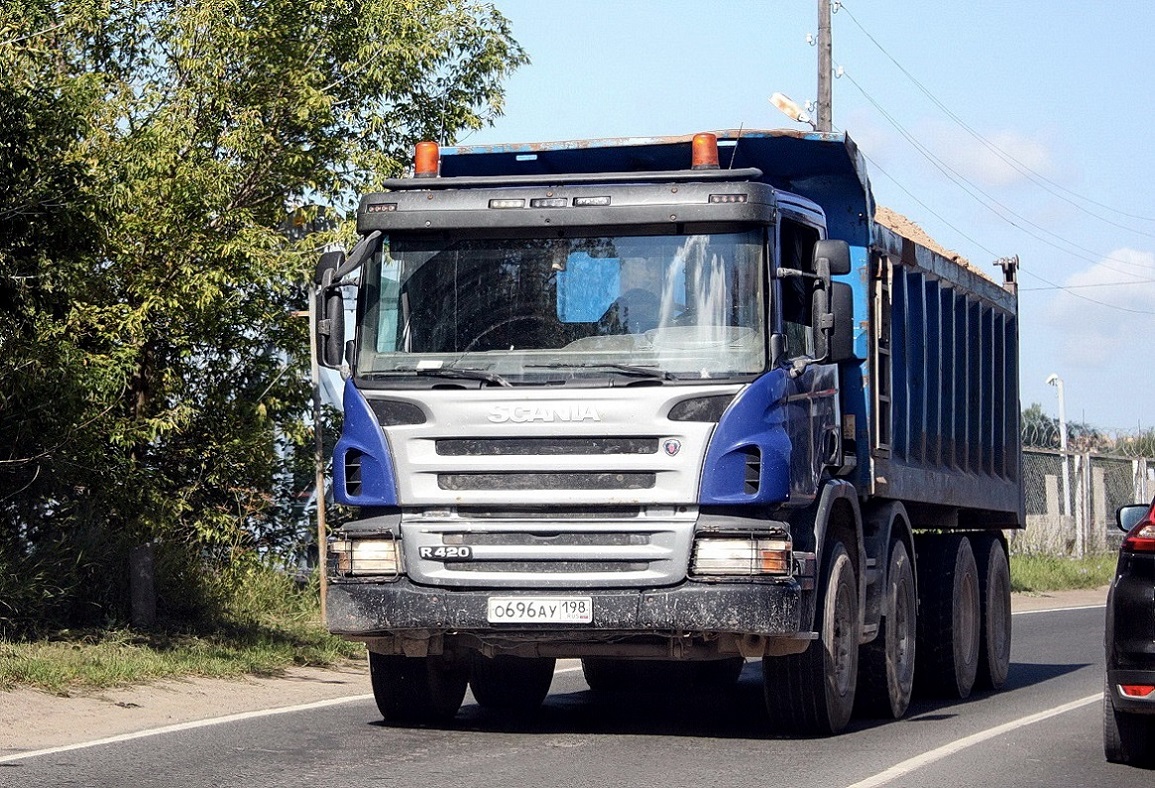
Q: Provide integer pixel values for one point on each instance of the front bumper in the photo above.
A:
(367, 609)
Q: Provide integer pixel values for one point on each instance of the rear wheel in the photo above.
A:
(514, 684)
(812, 693)
(886, 664)
(1127, 738)
(995, 633)
(949, 616)
(417, 689)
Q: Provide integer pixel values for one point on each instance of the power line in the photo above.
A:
(1039, 233)
(1051, 285)
(1038, 178)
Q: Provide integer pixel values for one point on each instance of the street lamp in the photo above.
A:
(1057, 382)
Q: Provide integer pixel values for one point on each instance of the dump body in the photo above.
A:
(605, 405)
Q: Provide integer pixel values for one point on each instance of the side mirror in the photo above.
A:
(842, 334)
(330, 311)
(835, 253)
(1128, 516)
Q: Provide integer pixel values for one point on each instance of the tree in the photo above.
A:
(153, 378)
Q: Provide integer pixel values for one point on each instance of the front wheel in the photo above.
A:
(514, 684)
(812, 693)
(425, 690)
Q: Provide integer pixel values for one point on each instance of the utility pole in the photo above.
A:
(824, 120)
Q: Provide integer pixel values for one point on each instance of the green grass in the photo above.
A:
(270, 626)
(1040, 573)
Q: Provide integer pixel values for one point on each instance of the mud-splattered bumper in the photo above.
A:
(772, 609)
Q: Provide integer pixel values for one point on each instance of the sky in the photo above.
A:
(1000, 128)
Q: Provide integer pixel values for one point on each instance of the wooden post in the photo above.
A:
(142, 586)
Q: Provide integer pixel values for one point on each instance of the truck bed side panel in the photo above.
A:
(951, 437)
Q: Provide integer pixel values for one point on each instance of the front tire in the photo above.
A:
(425, 690)
(605, 674)
(513, 684)
(812, 693)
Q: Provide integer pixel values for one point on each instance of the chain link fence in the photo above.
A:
(1071, 499)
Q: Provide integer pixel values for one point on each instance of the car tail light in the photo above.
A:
(1141, 538)
(1136, 690)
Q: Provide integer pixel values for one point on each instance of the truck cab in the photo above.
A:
(605, 401)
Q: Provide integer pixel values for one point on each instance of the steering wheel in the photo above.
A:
(515, 319)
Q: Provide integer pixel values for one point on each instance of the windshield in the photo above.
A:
(671, 306)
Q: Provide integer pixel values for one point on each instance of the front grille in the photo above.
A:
(459, 482)
(640, 551)
(538, 567)
(569, 539)
(547, 447)
(552, 515)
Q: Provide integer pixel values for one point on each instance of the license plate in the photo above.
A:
(540, 610)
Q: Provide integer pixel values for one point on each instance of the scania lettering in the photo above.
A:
(609, 400)
(523, 413)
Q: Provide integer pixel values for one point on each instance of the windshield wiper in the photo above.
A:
(633, 370)
(464, 373)
(457, 373)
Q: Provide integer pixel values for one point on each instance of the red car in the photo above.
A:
(1129, 698)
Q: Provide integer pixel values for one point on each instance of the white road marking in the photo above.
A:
(918, 761)
(1059, 609)
(186, 726)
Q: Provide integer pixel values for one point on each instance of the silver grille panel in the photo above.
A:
(648, 550)
(545, 481)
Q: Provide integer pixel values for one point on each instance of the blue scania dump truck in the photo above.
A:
(668, 404)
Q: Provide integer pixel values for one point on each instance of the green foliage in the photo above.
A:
(1039, 573)
(153, 380)
(269, 624)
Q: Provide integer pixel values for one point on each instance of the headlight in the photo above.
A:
(741, 556)
(366, 556)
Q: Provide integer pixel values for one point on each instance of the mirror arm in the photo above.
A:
(358, 256)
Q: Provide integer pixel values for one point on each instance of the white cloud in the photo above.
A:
(1106, 308)
(1002, 158)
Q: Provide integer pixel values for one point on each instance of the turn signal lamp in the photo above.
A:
(741, 556)
(1141, 538)
(426, 160)
(362, 557)
(704, 152)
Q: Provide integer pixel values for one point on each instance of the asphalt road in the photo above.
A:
(1044, 729)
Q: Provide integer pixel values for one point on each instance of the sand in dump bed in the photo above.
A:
(905, 227)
